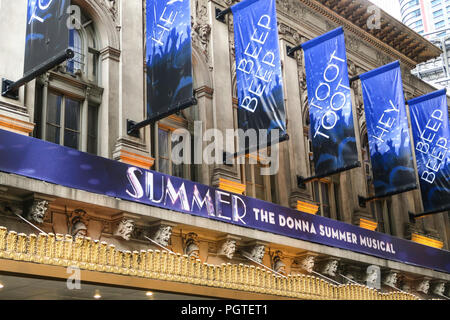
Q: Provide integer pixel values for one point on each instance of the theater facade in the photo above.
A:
(84, 202)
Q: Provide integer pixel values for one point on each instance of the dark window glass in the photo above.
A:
(72, 123)
(92, 129)
(53, 118)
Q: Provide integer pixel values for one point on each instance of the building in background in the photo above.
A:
(431, 19)
(108, 238)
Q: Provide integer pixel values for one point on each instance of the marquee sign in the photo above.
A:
(60, 165)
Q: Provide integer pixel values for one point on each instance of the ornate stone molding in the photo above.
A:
(87, 254)
(162, 232)
(307, 261)
(227, 246)
(277, 262)
(124, 228)
(390, 278)
(191, 245)
(330, 267)
(255, 251)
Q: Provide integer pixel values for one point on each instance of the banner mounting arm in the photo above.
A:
(227, 157)
(362, 200)
(133, 126)
(220, 14)
(302, 180)
(290, 50)
(10, 88)
(413, 216)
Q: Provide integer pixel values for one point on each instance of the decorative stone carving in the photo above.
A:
(258, 253)
(308, 263)
(163, 234)
(36, 212)
(390, 278)
(78, 223)
(372, 278)
(277, 263)
(10, 208)
(203, 31)
(228, 248)
(330, 267)
(124, 228)
(423, 286)
(439, 288)
(111, 5)
(191, 245)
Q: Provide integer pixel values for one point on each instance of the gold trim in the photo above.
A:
(105, 263)
(136, 159)
(15, 125)
(307, 207)
(231, 186)
(368, 224)
(426, 241)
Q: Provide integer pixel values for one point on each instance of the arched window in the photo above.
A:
(83, 42)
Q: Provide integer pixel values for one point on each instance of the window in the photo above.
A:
(257, 185)
(439, 24)
(60, 121)
(166, 142)
(435, 2)
(68, 100)
(438, 13)
(83, 42)
(326, 194)
(321, 192)
(419, 24)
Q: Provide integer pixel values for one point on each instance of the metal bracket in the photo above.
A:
(220, 14)
(131, 129)
(11, 94)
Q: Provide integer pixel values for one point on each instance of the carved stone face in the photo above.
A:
(439, 288)
(391, 279)
(258, 253)
(163, 235)
(38, 210)
(125, 229)
(331, 268)
(228, 248)
(308, 263)
(424, 286)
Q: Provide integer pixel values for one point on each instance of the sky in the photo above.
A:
(392, 7)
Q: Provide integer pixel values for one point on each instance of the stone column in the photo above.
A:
(222, 97)
(131, 91)
(293, 153)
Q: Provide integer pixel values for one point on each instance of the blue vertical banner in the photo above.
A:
(47, 33)
(330, 106)
(431, 135)
(168, 57)
(387, 130)
(258, 69)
